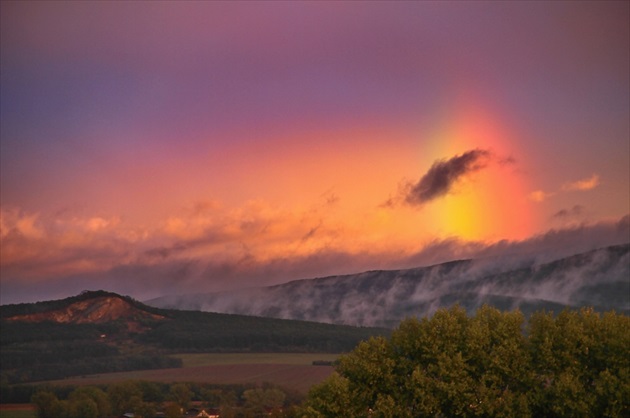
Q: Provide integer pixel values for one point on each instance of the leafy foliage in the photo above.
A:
(259, 399)
(491, 364)
(139, 398)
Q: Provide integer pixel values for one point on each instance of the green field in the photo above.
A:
(18, 413)
(212, 359)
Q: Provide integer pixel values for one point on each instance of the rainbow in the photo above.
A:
(492, 203)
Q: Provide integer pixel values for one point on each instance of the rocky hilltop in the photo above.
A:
(96, 310)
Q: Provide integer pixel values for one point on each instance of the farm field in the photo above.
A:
(291, 370)
(208, 359)
(17, 411)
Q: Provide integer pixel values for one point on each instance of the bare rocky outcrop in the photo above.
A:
(96, 310)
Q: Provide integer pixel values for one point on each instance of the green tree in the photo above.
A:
(487, 365)
(48, 406)
(258, 399)
(329, 399)
(181, 394)
(212, 397)
(145, 410)
(610, 366)
(581, 363)
(96, 396)
(498, 362)
(84, 408)
(173, 411)
(151, 391)
(227, 404)
(124, 397)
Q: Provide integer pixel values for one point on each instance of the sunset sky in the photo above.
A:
(151, 148)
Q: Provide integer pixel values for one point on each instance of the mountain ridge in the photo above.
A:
(599, 278)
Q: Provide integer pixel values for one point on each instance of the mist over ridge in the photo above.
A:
(599, 278)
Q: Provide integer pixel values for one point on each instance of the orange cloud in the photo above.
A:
(580, 185)
(39, 245)
(585, 184)
(539, 196)
(13, 221)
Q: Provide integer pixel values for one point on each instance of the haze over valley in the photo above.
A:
(598, 279)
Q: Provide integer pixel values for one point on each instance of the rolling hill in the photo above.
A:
(98, 332)
(599, 278)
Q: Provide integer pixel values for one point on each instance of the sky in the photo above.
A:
(153, 148)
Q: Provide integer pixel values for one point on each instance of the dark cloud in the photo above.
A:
(329, 197)
(388, 204)
(568, 213)
(509, 160)
(311, 233)
(443, 174)
(166, 251)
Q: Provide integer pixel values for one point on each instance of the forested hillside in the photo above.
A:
(51, 340)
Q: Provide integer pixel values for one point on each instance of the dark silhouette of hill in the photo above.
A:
(600, 279)
(99, 331)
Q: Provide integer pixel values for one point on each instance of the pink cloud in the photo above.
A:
(584, 184)
(579, 185)
(539, 195)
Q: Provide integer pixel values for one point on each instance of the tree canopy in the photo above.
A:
(491, 364)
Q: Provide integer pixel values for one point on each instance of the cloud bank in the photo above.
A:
(384, 297)
(210, 249)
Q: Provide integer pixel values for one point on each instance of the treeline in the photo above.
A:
(32, 351)
(88, 365)
(492, 364)
(146, 399)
